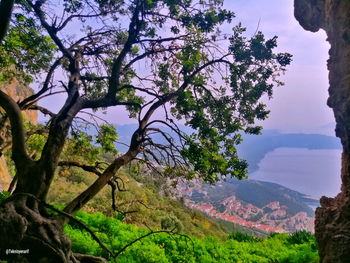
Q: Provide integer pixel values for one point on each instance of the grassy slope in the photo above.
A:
(148, 205)
(163, 247)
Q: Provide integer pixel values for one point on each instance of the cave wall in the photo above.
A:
(332, 226)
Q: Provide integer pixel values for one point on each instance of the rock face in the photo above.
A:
(333, 217)
(17, 92)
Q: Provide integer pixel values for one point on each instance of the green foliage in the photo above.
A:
(219, 114)
(36, 139)
(107, 137)
(171, 223)
(81, 145)
(217, 94)
(25, 51)
(242, 237)
(172, 248)
(300, 237)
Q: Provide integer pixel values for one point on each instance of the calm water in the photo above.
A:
(312, 172)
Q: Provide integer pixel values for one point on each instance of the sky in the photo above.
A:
(300, 105)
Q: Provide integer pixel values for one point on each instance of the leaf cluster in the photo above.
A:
(26, 51)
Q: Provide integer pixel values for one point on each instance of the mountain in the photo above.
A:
(263, 205)
(254, 147)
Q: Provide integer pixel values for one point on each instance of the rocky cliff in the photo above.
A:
(333, 217)
(17, 91)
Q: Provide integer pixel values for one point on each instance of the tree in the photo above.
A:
(163, 61)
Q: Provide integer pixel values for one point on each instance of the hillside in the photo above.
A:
(140, 204)
(266, 206)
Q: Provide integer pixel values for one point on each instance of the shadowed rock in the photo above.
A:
(332, 225)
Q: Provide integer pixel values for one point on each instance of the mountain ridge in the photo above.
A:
(253, 147)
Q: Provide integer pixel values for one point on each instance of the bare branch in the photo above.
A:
(113, 183)
(88, 168)
(42, 110)
(94, 78)
(152, 232)
(140, 238)
(68, 19)
(161, 40)
(106, 102)
(43, 96)
(45, 85)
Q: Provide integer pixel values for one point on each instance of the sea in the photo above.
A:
(311, 172)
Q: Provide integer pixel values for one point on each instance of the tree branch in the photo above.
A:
(68, 19)
(105, 177)
(133, 31)
(94, 169)
(52, 31)
(19, 154)
(140, 238)
(87, 168)
(6, 7)
(170, 96)
(45, 85)
(148, 53)
(42, 110)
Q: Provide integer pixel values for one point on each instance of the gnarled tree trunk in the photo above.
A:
(26, 226)
(332, 226)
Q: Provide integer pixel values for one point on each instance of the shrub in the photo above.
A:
(171, 223)
(165, 248)
(242, 237)
(300, 237)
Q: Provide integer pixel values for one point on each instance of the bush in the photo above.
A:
(242, 237)
(300, 237)
(171, 223)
